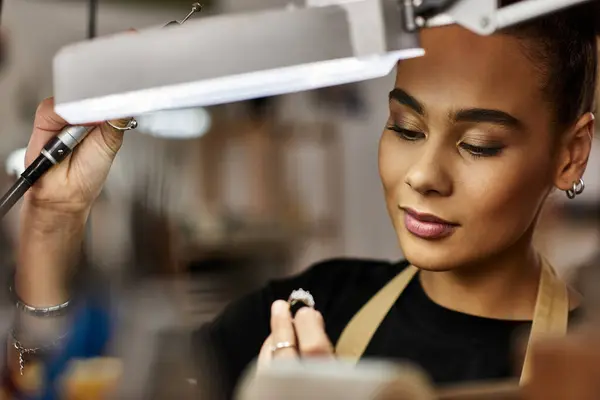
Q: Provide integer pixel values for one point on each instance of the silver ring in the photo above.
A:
(132, 124)
(301, 296)
(281, 345)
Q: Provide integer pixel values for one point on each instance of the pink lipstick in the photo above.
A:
(427, 226)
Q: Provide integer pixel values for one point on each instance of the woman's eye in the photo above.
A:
(407, 134)
(478, 151)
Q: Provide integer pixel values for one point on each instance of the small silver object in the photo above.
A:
(196, 7)
(281, 345)
(577, 189)
(25, 351)
(301, 296)
(132, 124)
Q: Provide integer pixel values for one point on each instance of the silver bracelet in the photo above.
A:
(52, 311)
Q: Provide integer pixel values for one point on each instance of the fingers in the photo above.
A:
(306, 333)
(282, 330)
(46, 119)
(46, 125)
(310, 330)
(113, 138)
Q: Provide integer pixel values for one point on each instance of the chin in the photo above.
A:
(435, 256)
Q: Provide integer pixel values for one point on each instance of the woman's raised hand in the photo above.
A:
(293, 337)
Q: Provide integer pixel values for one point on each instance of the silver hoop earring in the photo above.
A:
(577, 189)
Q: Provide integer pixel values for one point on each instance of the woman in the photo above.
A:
(481, 130)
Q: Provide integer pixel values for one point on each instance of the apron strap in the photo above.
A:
(551, 314)
(358, 333)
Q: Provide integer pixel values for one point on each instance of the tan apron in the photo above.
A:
(550, 317)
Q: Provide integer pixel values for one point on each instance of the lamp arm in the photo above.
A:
(484, 17)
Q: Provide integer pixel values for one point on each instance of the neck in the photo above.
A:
(503, 287)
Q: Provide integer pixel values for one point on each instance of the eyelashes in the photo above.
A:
(479, 151)
(407, 134)
(474, 150)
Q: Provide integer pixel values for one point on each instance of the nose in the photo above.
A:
(429, 176)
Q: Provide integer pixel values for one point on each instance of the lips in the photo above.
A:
(427, 226)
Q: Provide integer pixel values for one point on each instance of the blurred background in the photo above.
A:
(214, 202)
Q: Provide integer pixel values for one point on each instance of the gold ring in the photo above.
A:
(132, 124)
(281, 345)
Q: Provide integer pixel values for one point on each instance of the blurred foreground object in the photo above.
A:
(93, 379)
(326, 379)
(568, 368)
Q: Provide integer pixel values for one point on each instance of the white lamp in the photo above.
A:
(230, 58)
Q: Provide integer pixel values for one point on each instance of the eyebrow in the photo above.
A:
(481, 115)
(406, 99)
(475, 115)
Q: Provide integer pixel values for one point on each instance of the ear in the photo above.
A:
(574, 152)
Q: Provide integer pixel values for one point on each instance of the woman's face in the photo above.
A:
(468, 141)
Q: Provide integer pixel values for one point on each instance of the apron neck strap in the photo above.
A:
(550, 315)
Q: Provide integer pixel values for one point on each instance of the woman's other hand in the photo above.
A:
(55, 210)
(305, 333)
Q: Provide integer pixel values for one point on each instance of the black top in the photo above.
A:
(450, 346)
